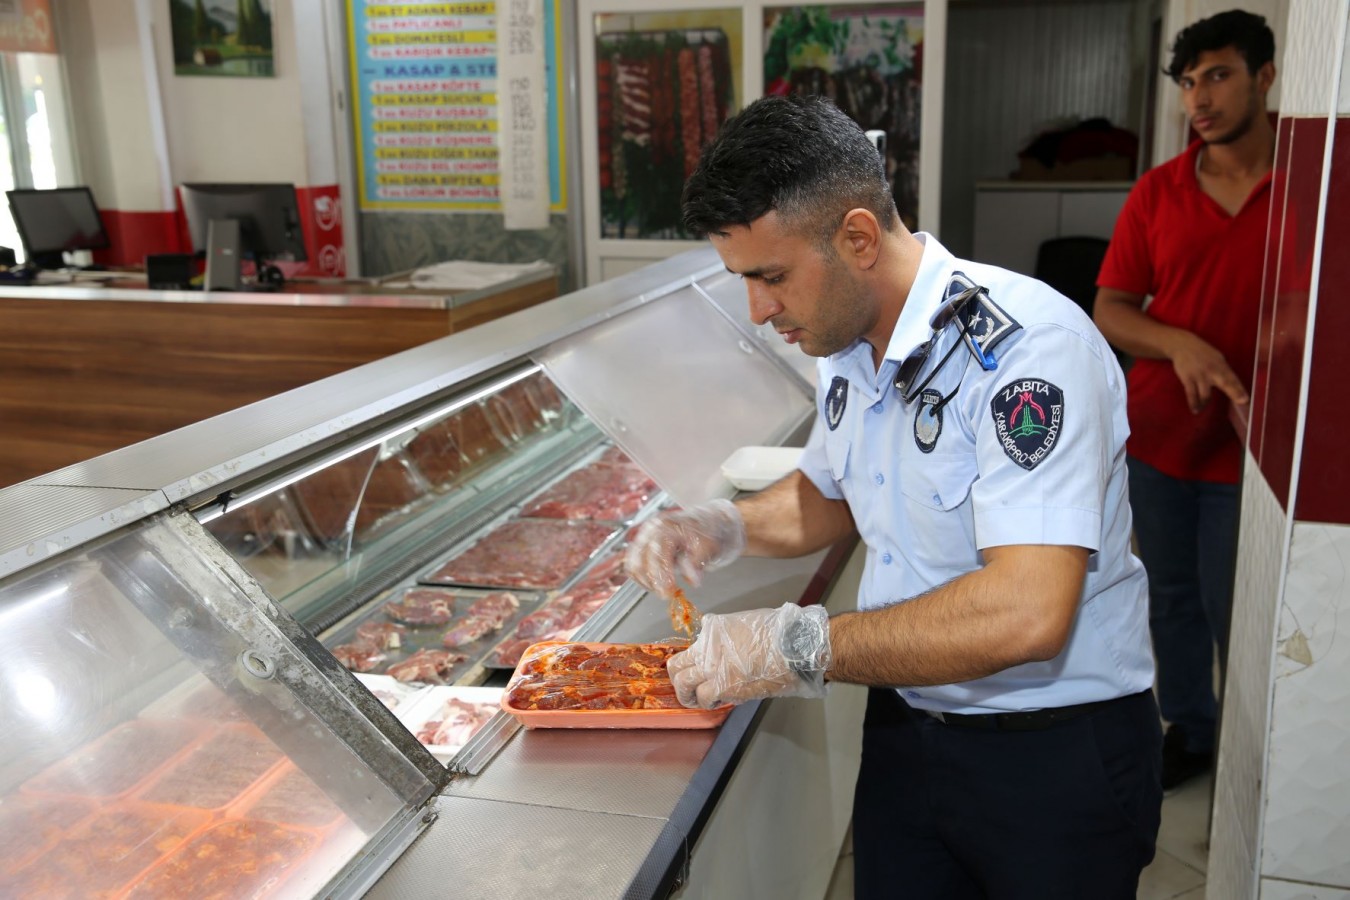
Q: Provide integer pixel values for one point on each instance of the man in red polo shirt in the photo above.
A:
(1192, 235)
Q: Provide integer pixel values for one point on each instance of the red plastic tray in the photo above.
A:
(237, 858)
(600, 718)
(118, 762)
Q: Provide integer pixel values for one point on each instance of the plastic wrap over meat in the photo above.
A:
(358, 493)
(487, 614)
(525, 553)
(427, 666)
(594, 677)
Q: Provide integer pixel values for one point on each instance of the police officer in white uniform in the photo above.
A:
(972, 430)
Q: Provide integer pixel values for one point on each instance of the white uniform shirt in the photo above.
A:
(1031, 451)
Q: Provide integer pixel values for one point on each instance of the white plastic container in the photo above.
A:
(755, 468)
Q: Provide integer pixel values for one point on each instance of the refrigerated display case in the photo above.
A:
(227, 641)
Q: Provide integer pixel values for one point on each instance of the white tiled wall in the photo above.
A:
(1272, 889)
(1308, 59)
(1307, 826)
(1242, 744)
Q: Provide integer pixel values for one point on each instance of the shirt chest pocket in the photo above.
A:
(938, 482)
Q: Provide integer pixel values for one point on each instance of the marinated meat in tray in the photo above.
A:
(104, 854)
(422, 606)
(29, 823)
(293, 799)
(218, 771)
(525, 553)
(487, 614)
(608, 677)
(360, 656)
(599, 491)
(237, 858)
(429, 666)
(456, 722)
(116, 762)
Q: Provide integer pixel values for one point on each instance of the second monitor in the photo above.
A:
(268, 220)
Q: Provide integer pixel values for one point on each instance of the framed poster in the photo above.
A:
(869, 61)
(424, 105)
(664, 83)
(222, 37)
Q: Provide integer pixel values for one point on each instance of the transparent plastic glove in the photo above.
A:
(685, 543)
(781, 652)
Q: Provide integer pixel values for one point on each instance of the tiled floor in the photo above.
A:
(1177, 872)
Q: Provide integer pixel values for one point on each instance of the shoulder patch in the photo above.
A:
(836, 401)
(1028, 415)
(985, 324)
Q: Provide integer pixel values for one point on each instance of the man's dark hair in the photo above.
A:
(798, 155)
(1246, 32)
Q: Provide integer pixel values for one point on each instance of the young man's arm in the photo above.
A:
(1199, 365)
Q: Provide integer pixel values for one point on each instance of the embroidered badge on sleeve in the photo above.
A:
(1028, 415)
(835, 401)
(928, 420)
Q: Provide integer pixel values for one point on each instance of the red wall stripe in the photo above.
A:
(135, 234)
(1324, 476)
(1283, 341)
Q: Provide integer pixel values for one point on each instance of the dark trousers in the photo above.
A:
(1187, 533)
(1065, 812)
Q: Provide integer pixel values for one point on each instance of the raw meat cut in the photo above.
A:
(360, 656)
(385, 635)
(436, 455)
(429, 666)
(422, 606)
(487, 614)
(456, 722)
(356, 494)
(526, 553)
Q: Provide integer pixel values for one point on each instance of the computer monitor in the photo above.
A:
(268, 217)
(53, 222)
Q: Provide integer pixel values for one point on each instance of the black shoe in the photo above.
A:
(1180, 765)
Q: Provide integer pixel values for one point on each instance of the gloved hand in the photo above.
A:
(781, 652)
(685, 543)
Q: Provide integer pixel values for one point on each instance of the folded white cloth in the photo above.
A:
(467, 275)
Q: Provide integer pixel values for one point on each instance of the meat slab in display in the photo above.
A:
(559, 618)
(422, 606)
(485, 615)
(600, 491)
(117, 762)
(525, 553)
(456, 722)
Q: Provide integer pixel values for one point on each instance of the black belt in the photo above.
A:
(1034, 720)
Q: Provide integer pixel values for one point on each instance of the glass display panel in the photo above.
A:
(679, 388)
(868, 59)
(428, 559)
(159, 734)
(728, 292)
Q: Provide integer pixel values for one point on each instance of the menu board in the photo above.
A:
(424, 91)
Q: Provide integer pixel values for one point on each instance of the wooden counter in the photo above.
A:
(87, 370)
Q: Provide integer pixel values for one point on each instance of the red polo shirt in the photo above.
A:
(1203, 268)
